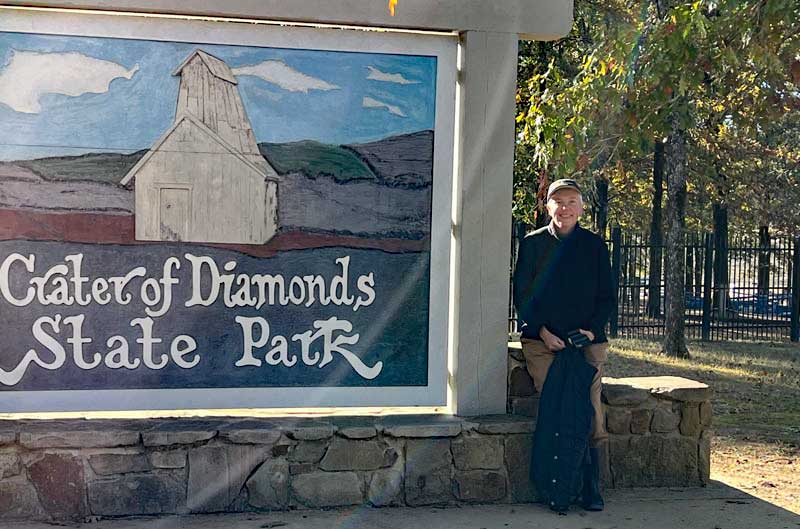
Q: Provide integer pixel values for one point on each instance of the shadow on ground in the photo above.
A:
(714, 507)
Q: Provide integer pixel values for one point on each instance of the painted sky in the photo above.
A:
(72, 95)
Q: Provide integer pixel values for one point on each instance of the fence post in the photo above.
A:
(708, 268)
(795, 333)
(616, 242)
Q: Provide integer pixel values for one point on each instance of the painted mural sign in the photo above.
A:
(181, 215)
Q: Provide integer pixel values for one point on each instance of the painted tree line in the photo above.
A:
(689, 107)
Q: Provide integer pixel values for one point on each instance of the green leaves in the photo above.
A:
(729, 70)
(560, 102)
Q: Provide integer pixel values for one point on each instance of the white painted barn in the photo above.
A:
(205, 180)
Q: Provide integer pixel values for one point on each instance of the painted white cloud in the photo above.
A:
(368, 102)
(377, 75)
(29, 75)
(278, 73)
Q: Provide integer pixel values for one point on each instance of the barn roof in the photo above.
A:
(215, 66)
(131, 175)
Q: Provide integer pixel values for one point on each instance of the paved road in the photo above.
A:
(715, 507)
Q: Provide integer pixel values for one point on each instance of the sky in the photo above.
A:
(62, 95)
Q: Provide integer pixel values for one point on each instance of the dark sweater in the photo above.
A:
(563, 284)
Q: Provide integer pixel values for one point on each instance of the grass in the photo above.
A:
(756, 403)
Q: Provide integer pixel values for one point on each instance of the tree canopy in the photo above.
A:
(593, 105)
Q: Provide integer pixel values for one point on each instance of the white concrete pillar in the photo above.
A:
(482, 225)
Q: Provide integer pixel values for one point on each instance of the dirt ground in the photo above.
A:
(756, 402)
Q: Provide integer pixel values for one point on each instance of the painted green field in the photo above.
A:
(315, 159)
(109, 168)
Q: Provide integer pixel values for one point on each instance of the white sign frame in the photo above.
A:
(444, 47)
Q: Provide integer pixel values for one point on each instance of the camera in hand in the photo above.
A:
(577, 339)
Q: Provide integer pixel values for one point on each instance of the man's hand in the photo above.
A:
(588, 334)
(551, 341)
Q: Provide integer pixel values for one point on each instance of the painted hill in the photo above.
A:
(378, 189)
(315, 160)
(398, 161)
(404, 161)
(109, 168)
(401, 161)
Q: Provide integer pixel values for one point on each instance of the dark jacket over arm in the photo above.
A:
(563, 427)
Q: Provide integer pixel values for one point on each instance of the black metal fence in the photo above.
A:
(746, 288)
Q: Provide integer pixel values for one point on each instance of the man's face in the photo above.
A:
(565, 208)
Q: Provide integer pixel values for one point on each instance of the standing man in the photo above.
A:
(563, 283)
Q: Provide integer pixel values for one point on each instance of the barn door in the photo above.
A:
(174, 209)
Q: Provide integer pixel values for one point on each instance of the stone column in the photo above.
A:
(482, 228)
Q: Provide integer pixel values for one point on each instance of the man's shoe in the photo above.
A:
(558, 507)
(592, 500)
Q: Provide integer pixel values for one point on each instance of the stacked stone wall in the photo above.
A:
(83, 469)
(659, 427)
(80, 469)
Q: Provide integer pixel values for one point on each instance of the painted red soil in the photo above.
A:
(100, 228)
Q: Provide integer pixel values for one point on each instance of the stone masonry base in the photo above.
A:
(79, 469)
(659, 427)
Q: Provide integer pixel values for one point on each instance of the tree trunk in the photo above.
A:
(600, 197)
(543, 180)
(601, 203)
(656, 236)
(675, 217)
(541, 218)
(720, 300)
(763, 261)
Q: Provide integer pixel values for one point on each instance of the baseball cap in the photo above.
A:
(564, 183)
